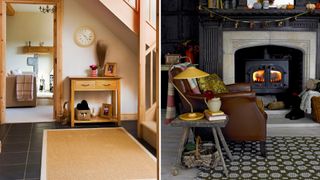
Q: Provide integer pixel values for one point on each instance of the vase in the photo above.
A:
(211, 3)
(234, 4)
(257, 5)
(94, 73)
(266, 4)
(214, 104)
(226, 4)
(100, 72)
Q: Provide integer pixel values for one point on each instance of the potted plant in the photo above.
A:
(93, 70)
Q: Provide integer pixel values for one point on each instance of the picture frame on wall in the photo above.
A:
(110, 69)
(172, 58)
(106, 110)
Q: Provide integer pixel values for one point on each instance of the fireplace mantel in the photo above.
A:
(260, 12)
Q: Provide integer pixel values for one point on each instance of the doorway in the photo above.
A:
(29, 54)
(56, 52)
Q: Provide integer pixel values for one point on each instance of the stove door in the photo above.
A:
(256, 75)
(277, 78)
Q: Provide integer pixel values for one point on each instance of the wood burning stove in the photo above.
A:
(268, 76)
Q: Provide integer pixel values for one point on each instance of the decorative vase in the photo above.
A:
(234, 4)
(94, 73)
(214, 104)
(226, 4)
(211, 4)
(266, 4)
(257, 5)
(100, 71)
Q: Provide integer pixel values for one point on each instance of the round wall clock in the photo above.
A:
(84, 36)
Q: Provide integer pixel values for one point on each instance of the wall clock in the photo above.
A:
(84, 36)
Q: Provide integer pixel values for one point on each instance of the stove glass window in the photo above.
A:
(275, 76)
(258, 76)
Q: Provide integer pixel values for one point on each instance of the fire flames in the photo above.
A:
(276, 76)
(258, 76)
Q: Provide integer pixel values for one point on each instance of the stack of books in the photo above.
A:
(215, 116)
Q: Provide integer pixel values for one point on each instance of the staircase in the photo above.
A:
(138, 29)
(125, 13)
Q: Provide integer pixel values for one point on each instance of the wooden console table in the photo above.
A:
(97, 84)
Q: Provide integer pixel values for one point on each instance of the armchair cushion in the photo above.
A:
(213, 83)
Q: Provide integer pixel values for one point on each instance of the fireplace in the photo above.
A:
(270, 69)
(267, 76)
(220, 40)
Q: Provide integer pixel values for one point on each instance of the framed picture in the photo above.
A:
(110, 69)
(106, 110)
(172, 58)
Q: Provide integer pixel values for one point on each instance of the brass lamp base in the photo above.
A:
(191, 116)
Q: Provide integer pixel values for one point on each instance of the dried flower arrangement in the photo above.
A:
(101, 50)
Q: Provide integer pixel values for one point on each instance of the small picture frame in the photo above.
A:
(106, 110)
(110, 69)
(172, 58)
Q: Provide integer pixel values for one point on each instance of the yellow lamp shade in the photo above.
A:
(191, 72)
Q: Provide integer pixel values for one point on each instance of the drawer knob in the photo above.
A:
(85, 85)
(106, 84)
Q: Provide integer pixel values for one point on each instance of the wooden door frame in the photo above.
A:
(57, 54)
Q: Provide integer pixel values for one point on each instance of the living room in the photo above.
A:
(273, 49)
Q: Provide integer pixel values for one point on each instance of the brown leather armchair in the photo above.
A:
(247, 122)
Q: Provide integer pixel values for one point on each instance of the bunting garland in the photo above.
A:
(251, 23)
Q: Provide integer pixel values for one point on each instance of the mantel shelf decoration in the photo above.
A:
(265, 23)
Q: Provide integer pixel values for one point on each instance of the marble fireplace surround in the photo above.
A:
(235, 40)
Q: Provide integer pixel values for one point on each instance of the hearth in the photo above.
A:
(268, 75)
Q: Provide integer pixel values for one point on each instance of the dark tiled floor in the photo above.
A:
(22, 147)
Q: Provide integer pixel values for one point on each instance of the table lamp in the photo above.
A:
(190, 73)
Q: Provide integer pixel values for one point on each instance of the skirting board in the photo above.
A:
(126, 117)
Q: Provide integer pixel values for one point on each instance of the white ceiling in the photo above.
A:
(27, 7)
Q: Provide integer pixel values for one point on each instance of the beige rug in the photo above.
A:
(95, 154)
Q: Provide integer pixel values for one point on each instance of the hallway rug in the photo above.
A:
(95, 153)
(287, 158)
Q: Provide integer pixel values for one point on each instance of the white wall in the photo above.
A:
(76, 60)
(34, 27)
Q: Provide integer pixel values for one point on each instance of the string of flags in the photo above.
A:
(252, 23)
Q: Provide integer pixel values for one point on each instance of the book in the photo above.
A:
(215, 116)
(213, 113)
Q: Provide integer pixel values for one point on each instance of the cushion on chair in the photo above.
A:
(212, 82)
(260, 104)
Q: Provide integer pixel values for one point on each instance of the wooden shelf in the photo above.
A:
(37, 49)
(97, 119)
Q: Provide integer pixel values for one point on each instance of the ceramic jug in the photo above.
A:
(214, 104)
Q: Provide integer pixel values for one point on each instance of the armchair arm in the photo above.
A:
(239, 87)
(250, 95)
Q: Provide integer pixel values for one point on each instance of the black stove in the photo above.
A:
(268, 75)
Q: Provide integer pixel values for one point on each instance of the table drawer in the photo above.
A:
(85, 85)
(105, 84)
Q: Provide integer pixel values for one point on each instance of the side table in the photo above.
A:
(217, 134)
